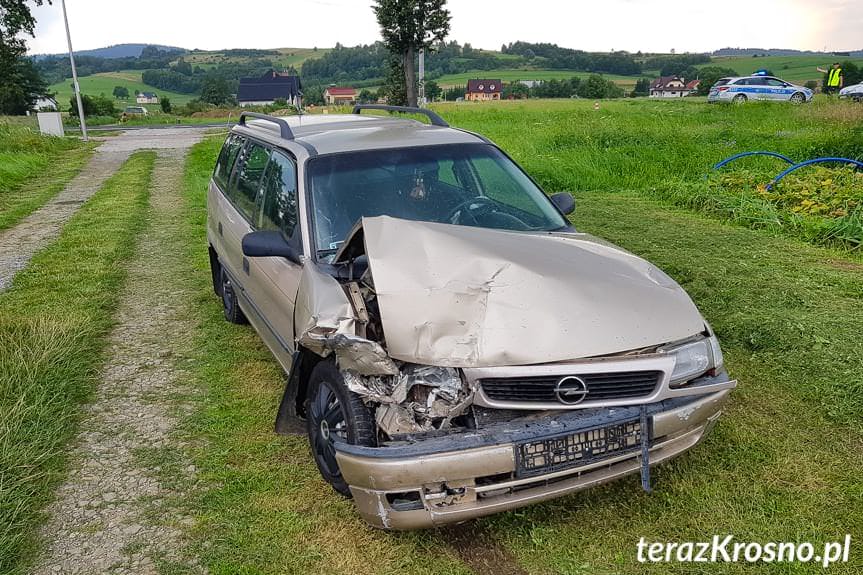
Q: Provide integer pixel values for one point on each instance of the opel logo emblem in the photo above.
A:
(570, 390)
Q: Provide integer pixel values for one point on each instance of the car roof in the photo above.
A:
(334, 133)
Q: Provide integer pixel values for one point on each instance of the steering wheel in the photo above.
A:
(476, 207)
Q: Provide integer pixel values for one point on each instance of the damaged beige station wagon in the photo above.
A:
(455, 347)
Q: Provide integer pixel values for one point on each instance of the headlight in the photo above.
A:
(694, 359)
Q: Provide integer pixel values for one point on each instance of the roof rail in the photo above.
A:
(285, 129)
(433, 118)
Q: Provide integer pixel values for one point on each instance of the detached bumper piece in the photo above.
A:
(465, 475)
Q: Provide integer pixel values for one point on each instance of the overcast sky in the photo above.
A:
(600, 25)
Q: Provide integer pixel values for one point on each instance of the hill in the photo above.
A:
(104, 83)
(796, 69)
(115, 51)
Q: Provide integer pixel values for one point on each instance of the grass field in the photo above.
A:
(53, 320)
(513, 75)
(784, 463)
(797, 69)
(34, 168)
(104, 83)
(287, 57)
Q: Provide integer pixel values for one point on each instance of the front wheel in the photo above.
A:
(334, 413)
(798, 98)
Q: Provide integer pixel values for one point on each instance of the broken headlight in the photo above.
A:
(694, 359)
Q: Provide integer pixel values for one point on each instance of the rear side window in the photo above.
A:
(279, 209)
(226, 160)
(721, 82)
(246, 182)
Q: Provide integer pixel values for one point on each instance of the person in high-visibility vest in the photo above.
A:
(835, 78)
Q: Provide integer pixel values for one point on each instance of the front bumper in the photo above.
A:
(451, 479)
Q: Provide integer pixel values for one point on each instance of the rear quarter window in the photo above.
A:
(227, 158)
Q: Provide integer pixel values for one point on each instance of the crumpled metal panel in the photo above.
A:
(361, 355)
(472, 297)
(322, 310)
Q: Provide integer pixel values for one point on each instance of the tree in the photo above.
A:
(709, 75)
(366, 96)
(408, 26)
(93, 106)
(121, 92)
(21, 84)
(215, 90)
(433, 90)
(165, 103)
(394, 90)
(642, 87)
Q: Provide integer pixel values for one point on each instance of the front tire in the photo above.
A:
(740, 99)
(797, 98)
(334, 413)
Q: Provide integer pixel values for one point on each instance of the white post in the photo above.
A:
(422, 82)
(75, 75)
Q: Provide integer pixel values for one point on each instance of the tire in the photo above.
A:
(215, 271)
(740, 99)
(231, 305)
(797, 98)
(333, 410)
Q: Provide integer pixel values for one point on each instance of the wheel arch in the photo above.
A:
(293, 401)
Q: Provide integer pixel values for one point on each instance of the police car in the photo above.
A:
(759, 86)
(854, 92)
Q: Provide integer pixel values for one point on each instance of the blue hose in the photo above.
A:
(744, 154)
(810, 162)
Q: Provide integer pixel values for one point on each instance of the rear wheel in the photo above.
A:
(798, 98)
(739, 99)
(233, 313)
(334, 413)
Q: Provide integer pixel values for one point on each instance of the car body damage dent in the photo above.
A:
(461, 296)
(417, 399)
(322, 310)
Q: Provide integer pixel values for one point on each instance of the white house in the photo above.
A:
(46, 104)
(672, 87)
(146, 98)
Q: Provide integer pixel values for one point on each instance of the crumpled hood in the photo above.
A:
(471, 297)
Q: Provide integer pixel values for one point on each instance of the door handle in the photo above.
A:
(246, 265)
(220, 228)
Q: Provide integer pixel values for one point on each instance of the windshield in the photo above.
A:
(465, 184)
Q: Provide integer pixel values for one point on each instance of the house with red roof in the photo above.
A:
(672, 87)
(334, 96)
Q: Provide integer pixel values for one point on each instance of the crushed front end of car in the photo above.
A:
(504, 368)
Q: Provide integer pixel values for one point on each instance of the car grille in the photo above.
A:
(601, 386)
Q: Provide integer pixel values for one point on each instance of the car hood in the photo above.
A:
(853, 89)
(472, 297)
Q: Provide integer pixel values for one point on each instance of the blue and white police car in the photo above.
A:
(758, 86)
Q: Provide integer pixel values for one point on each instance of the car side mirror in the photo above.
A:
(564, 202)
(267, 244)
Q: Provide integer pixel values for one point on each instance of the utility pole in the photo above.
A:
(422, 82)
(75, 75)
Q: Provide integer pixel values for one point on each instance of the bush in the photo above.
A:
(165, 104)
(100, 105)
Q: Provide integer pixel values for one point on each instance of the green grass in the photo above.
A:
(53, 323)
(783, 464)
(103, 83)
(797, 69)
(527, 74)
(33, 169)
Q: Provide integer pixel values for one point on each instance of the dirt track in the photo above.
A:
(114, 514)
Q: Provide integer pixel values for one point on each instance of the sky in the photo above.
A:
(596, 25)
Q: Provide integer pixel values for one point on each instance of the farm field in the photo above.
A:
(783, 464)
(104, 83)
(797, 69)
(513, 75)
(287, 57)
